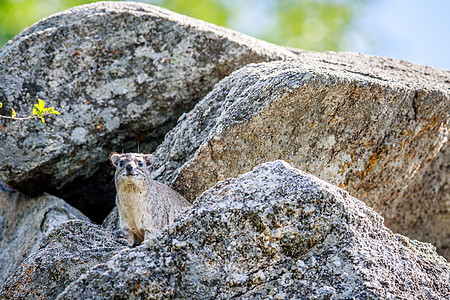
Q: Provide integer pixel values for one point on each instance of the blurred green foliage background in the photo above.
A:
(307, 24)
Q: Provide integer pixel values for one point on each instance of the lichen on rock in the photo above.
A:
(275, 232)
(381, 134)
(119, 73)
(260, 228)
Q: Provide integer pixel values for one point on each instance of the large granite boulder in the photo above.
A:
(273, 233)
(376, 127)
(68, 252)
(25, 223)
(119, 73)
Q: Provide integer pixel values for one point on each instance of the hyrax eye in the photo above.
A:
(140, 164)
(121, 163)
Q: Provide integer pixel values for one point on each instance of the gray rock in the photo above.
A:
(275, 232)
(377, 127)
(119, 73)
(111, 223)
(25, 223)
(68, 251)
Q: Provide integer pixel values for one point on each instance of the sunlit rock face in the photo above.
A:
(374, 126)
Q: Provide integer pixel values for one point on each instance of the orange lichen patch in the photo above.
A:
(432, 123)
(76, 53)
(344, 166)
(83, 161)
(99, 126)
(371, 163)
(26, 279)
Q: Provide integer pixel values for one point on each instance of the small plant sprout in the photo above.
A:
(39, 112)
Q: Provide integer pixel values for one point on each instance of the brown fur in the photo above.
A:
(145, 206)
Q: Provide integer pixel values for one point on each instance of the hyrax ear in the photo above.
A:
(149, 159)
(115, 158)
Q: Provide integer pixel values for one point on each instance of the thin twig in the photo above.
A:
(19, 119)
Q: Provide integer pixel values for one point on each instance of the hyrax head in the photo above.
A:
(131, 165)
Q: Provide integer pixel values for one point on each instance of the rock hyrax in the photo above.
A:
(145, 206)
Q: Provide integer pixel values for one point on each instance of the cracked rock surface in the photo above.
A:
(25, 223)
(275, 232)
(376, 127)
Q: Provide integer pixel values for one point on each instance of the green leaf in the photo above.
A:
(39, 111)
(1, 104)
(41, 105)
(51, 110)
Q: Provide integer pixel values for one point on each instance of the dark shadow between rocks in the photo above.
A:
(93, 196)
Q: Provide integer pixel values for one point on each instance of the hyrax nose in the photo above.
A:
(129, 168)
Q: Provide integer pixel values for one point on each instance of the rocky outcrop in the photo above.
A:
(123, 72)
(376, 127)
(25, 223)
(119, 73)
(275, 232)
(69, 251)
